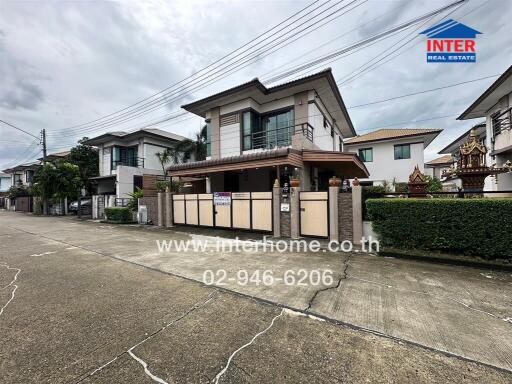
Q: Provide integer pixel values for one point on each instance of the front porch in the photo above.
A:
(257, 172)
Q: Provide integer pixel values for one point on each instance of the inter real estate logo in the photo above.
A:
(451, 42)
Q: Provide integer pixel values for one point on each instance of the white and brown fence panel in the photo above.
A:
(314, 214)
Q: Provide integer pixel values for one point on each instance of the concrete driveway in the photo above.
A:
(88, 302)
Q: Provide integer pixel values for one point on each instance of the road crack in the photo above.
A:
(129, 351)
(223, 371)
(13, 292)
(343, 276)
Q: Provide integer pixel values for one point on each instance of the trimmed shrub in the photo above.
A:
(477, 227)
(119, 214)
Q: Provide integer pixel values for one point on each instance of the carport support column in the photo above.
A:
(333, 214)
(160, 209)
(168, 209)
(294, 213)
(357, 214)
(276, 210)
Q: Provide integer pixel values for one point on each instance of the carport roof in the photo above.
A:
(346, 162)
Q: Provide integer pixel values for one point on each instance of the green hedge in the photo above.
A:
(477, 227)
(119, 214)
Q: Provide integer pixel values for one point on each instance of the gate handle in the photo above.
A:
(303, 209)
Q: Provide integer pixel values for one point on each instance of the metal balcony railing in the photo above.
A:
(129, 162)
(502, 121)
(280, 137)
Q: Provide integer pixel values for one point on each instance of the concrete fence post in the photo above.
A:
(160, 209)
(294, 212)
(276, 210)
(333, 214)
(357, 213)
(168, 209)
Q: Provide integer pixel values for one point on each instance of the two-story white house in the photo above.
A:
(23, 174)
(391, 154)
(124, 157)
(258, 134)
(495, 105)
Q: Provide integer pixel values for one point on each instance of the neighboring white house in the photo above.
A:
(391, 154)
(124, 157)
(437, 166)
(23, 174)
(256, 135)
(495, 105)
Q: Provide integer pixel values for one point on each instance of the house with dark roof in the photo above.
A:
(390, 155)
(124, 157)
(257, 134)
(495, 106)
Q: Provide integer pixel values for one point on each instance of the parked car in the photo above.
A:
(85, 206)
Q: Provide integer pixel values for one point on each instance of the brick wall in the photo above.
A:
(285, 224)
(345, 219)
(151, 202)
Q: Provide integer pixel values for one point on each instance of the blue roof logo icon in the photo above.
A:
(450, 29)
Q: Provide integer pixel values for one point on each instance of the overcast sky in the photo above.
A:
(67, 63)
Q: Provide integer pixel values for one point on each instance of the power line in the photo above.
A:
(421, 92)
(365, 41)
(19, 129)
(255, 55)
(402, 26)
(212, 64)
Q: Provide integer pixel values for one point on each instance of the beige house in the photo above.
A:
(391, 154)
(257, 134)
(437, 166)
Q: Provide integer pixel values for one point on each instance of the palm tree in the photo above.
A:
(194, 148)
(185, 150)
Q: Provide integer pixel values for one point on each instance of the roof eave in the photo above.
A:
(465, 115)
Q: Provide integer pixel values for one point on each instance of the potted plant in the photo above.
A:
(334, 182)
(295, 178)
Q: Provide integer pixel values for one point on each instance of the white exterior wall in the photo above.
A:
(124, 178)
(5, 183)
(321, 136)
(384, 167)
(504, 139)
(230, 140)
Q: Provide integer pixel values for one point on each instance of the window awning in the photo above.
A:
(344, 163)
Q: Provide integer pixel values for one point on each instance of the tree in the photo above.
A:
(194, 148)
(57, 181)
(184, 150)
(86, 158)
(433, 184)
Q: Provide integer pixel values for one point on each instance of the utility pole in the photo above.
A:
(43, 143)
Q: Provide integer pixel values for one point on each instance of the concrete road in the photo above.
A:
(92, 303)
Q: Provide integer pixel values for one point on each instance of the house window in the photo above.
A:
(277, 129)
(17, 179)
(124, 156)
(402, 151)
(250, 125)
(29, 175)
(326, 123)
(366, 154)
(496, 124)
(340, 144)
(208, 138)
